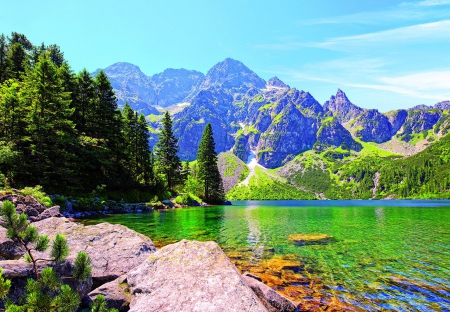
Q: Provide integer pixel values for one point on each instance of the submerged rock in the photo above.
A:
(311, 239)
(190, 276)
(273, 301)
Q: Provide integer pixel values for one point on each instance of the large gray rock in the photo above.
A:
(113, 249)
(190, 276)
(116, 293)
(273, 301)
(47, 213)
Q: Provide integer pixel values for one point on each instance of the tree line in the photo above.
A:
(64, 131)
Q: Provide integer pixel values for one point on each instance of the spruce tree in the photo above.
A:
(207, 168)
(50, 129)
(167, 161)
(3, 51)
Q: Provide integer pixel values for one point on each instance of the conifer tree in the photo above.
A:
(50, 129)
(3, 50)
(167, 160)
(207, 168)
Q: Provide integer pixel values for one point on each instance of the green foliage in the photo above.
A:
(82, 267)
(209, 174)
(99, 305)
(64, 131)
(266, 185)
(192, 186)
(38, 193)
(187, 199)
(60, 249)
(45, 292)
(5, 285)
(167, 160)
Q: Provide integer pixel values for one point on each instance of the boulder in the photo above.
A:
(9, 249)
(311, 239)
(117, 294)
(24, 204)
(273, 301)
(190, 276)
(113, 249)
(48, 213)
(19, 271)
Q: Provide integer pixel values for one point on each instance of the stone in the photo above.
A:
(190, 276)
(273, 301)
(311, 239)
(9, 249)
(53, 212)
(113, 249)
(117, 294)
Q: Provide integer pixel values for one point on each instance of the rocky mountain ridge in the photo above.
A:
(271, 119)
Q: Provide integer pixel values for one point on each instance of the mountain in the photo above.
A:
(270, 119)
(144, 93)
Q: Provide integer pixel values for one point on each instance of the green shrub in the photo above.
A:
(38, 194)
(187, 199)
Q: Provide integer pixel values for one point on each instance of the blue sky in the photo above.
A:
(383, 54)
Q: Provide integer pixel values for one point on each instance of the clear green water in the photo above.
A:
(392, 255)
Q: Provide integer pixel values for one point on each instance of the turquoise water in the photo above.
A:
(385, 255)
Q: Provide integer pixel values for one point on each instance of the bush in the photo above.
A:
(187, 199)
(38, 194)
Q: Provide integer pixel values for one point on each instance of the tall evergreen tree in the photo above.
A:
(167, 160)
(84, 102)
(3, 51)
(207, 167)
(16, 61)
(50, 129)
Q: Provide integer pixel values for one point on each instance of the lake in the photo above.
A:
(391, 255)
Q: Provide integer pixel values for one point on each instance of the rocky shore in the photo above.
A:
(134, 276)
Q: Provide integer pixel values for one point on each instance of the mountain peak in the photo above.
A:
(232, 74)
(341, 95)
(276, 82)
(123, 68)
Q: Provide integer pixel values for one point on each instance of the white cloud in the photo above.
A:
(434, 2)
(422, 33)
(433, 80)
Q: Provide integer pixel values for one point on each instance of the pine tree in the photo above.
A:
(207, 167)
(167, 160)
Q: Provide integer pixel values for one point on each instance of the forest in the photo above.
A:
(64, 132)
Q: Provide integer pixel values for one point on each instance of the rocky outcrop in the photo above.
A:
(418, 120)
(289, 134)
(116, 293)
(397, 119)
(444, 105)
(241, 147)
(9, 249)
(211, 106)
(24, 204)
(277, 83)
(332, 134)
(190, 276)
(341, 107)
(273, 301)
(113, 249)
(372, 126)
